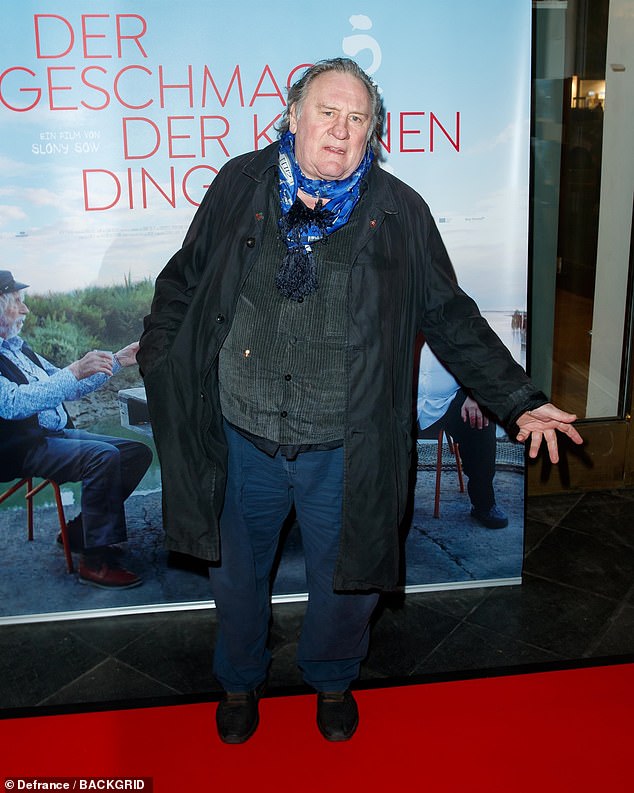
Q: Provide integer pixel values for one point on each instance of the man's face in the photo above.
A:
(332, 129)
(13, 316)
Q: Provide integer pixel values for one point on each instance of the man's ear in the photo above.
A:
(292, 119)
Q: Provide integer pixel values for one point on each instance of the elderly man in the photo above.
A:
(443, 404)
(278, 362)
(36, 439)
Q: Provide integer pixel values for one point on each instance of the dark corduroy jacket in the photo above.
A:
(401, 283)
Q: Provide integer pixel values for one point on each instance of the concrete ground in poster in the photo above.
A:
(452, 550)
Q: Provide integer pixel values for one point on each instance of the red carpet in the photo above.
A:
(553, 731)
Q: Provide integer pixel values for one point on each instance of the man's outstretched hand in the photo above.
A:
(93, 362)
(100, 361)
(127, 355)
(542, 424)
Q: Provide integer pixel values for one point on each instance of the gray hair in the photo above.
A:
(298, 91)
(5, 300)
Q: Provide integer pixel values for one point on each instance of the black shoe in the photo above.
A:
(75, 534)
(76, 537)
(492, 518)
(337, 715)
(237, 716)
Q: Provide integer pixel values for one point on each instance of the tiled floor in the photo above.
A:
(575, 606)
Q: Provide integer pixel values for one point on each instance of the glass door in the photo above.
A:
(582, 207)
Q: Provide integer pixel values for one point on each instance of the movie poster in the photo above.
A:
(115, 117)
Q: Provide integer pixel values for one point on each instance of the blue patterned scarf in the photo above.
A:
(300, 226)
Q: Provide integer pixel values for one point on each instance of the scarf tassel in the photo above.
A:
(297, 275)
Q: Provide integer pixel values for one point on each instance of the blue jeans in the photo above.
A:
(477, 452)
(260, 493)
(109, 469)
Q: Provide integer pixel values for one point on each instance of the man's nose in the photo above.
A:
(340, 129)
(24, 309)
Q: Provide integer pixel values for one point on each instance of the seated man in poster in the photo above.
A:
(36, 439)
(443, 403)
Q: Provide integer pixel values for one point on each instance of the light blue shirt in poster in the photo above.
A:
(436, 388)
(47, 388)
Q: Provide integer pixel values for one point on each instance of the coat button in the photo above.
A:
(283, 414)
(251, 242)
(220, 318)
(287, 377)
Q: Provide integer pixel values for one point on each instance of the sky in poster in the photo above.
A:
(79, 147)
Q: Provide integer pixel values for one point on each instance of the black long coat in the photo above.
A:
(401, 282)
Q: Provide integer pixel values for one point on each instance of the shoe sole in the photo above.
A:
(340, 738)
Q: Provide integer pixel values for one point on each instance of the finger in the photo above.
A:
(98, 358)
(102, 363)
(551, 443)
(572, 433)
(536, 442)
